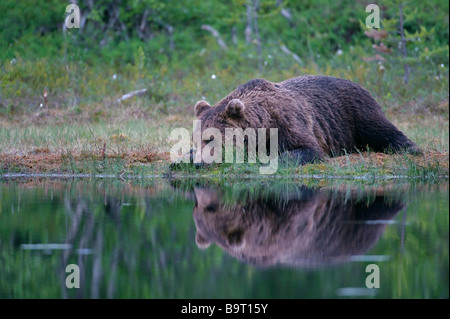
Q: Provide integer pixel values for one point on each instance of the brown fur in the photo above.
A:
(315, 116)
(308, 228)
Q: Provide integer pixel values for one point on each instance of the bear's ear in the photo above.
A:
(200, 107)
(235, 108)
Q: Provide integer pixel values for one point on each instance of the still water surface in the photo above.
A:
(156, 239)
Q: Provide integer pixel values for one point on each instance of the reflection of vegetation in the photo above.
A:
(142, 241)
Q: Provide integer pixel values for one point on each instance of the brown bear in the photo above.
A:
(300, 227)
(315, 116)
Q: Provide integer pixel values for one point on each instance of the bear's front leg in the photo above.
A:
(301, 156)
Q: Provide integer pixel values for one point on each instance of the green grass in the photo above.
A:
(141, 147)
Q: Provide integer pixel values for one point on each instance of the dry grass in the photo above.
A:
(42, 160)
(389, 163)
(59, 141)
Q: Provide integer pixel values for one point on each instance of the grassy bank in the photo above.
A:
(121, 144)
(59, 93)
(132, 137)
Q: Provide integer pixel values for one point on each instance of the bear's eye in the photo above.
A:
(211, 208)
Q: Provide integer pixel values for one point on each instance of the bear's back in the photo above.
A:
(319, 85)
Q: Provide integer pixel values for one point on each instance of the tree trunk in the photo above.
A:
(248, 28)
(403, 44)
(255, 8)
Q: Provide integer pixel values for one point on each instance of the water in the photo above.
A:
(160, 239)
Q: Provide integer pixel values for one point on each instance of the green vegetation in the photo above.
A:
(79, 126)
(62, 111)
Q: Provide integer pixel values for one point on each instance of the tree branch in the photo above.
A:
(131, 94)
(216, 35)
(289, 52)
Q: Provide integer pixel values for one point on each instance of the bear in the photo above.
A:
(316, 116)
(300, 227)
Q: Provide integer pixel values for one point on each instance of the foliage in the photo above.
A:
(127, 45)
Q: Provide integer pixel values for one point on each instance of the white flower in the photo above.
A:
(269, 56)
(213, 76)
(41, 105)
(13, 61)
(114, 76)
(442, 65)
(339, 52)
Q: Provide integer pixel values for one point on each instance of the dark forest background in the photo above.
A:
(181, 51)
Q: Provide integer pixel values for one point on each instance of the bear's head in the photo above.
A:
(212, 122)
(306, 229)
(208, 210)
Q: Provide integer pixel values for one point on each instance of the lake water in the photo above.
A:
(249, 239)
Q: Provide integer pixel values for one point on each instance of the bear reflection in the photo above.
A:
(306, 229)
